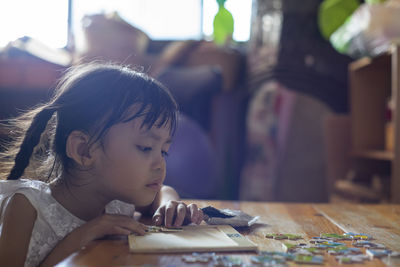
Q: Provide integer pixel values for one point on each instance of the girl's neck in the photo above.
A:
(82, 199)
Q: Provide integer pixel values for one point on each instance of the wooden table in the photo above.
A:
(309, 220)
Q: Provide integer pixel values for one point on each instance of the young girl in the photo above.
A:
(109, 129)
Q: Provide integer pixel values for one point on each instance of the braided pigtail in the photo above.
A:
(31, 139)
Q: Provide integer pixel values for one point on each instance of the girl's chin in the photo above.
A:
(143, 201)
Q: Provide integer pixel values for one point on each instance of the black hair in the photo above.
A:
(90, 98)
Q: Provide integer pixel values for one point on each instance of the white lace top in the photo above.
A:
(53, 221)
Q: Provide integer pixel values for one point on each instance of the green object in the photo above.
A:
(345, 260)
(333, 13)
(374, 1)
(293, 237)
(333, 236)
(223, 24)
(341, 39)
(283, 236)
(290, 246)
(309, 259)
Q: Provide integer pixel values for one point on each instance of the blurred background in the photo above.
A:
(280, 100)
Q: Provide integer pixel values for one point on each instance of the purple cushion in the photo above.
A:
(192, 167)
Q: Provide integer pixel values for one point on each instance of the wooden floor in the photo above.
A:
(309, 220)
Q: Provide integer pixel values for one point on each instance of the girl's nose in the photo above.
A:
(159, 163)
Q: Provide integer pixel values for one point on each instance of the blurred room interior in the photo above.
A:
(275, 105)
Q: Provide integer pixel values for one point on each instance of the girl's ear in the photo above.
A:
(78, 148)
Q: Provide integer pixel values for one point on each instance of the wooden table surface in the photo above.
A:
(381, 221)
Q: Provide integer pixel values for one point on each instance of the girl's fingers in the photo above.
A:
(157, 219)
(181, 213)
(177, 213)
(194, 212)
(200, 218)
(116, 230)
(127, 223)
(158, 216)
(108, 224)
(139, 229)
(169, 213)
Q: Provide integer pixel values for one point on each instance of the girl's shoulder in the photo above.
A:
(50, 213)
(36, 192)
(22, 183)
(33, 190)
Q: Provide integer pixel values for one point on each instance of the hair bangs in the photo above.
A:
(154, 115)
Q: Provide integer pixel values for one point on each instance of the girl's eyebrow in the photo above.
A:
(155, 136)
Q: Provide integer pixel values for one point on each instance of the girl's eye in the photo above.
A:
(144, 148)
(164, 154)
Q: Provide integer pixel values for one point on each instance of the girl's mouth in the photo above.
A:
(154, 186)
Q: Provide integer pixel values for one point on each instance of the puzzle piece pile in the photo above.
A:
(332, 244)
(305, 253)
(273, 258)
(216, 260)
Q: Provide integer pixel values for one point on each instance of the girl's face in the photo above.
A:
(131, 166)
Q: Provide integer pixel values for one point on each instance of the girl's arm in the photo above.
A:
(107, 224)
(167, 209)
(19, 219)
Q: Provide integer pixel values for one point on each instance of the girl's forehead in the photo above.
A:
(155, 132)
(160, 125)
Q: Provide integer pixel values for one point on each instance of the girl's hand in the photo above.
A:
(107, 224)
(175, 213)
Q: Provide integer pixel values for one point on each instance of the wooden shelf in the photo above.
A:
(374, 83)
(374, 154)
(367, 62)
(359, 192)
